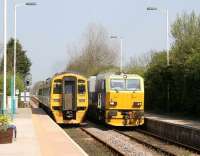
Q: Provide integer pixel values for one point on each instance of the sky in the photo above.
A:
(48, 29)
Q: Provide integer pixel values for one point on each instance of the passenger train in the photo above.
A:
(65, 96)
(117, 100)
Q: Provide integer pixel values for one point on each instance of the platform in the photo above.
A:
(181, 130)
(39, 135)
(174, 120)
(26, 142)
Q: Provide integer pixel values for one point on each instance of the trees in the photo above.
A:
(23, 63)
(138, 65)
(96, 55)
(19, 83)
(182, 76)
(186, 34)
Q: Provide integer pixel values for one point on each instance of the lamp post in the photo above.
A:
(167, 29)
(121, 53)
(167, 48)
(15, 39)
(5, 54)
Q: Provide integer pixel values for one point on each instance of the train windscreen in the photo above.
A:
(125, 84)
(57, 86)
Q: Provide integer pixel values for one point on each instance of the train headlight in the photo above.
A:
(125, 76)
(137, 104)
(113, 103)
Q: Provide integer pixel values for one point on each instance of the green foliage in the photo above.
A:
(5, 120)
(180, 80)
(155, 82)
(19, 83)
(23, 63)
(185, 31)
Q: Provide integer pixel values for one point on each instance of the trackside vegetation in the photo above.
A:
(176, 88)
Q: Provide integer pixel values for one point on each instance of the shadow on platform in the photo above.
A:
(38, 111)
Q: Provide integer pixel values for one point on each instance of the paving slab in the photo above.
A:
(53, 140)
(26, 143)
(39, 135)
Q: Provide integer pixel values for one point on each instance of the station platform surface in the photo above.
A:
(39, 135)
(174, 120)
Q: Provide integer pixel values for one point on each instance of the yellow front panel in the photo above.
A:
(127, 112)
(82, 100)
(124, 100)
(59, 117)
(56, 100)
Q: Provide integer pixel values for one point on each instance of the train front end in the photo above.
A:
(69, 98)
(124, 100)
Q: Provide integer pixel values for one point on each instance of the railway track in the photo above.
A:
(103, 142)
(89, 143)
(190, 148)
(150, 141)
(156, 143)
(148, 144)
(164, 146)
(120, 143)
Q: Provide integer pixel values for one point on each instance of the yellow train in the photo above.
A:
(65, 97)
(117, 100)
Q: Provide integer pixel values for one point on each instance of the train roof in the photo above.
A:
(113, 75)
(68, 74)
(48, 80)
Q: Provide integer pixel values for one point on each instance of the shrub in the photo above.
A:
(5, 120)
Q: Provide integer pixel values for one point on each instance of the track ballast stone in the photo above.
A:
(120, 142)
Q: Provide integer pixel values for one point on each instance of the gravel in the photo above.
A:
(120, 142)
(88, 143)
(160, 144)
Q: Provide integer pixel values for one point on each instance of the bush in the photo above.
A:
(5, 121)
(181, 80)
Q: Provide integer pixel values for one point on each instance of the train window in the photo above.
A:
(133, 84)
(117, 84)
(81, 89)
(57, 87)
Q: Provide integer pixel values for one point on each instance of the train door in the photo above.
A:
(101, 99)
(69, 97)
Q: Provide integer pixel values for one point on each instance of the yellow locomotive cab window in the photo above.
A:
(57, 87)
(117, 84)
(125, 84)
(81, 89)
(133, 84)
